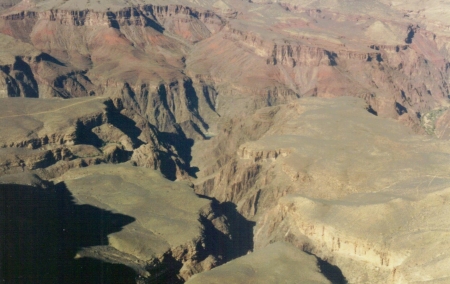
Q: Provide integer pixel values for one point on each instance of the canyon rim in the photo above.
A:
(228, 141)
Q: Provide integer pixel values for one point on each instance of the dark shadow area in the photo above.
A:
(331, 272)
(379, 58)
(182, 145)
(240, 229)
(84, 134)
(400, 109)
(12, 88)
(332, 57)
(403, 95)
(164, 271)
(410, 35)
(371, 110)
(207, 94)
(192, 99)
(168, 165)
(41, 232)
(59, 82)
(149, 22)
(25, 76)
(126, 125)
(192, 171)
(112, 20)
(47, 57)
(154, 25)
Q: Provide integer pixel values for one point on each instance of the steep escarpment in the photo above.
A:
(166, 242)
(135, 53)
(167, 60)
(263, 266)
(169, 242)
(396, 79)
(382, 254)
(42, 137)
(66, 140)
(190, 23)
(309, 171)
(242, 104)
(166, 105)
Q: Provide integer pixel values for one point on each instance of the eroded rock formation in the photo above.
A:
(345, 185)
(242, 100)
(166, 241)
(52, 136)
(265, 266)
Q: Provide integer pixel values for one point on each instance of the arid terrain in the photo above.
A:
(228, 141)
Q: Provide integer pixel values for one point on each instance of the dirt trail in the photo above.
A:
(53, 110)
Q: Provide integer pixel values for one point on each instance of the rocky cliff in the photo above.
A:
(52, 136)
(338, 182)
(267, 109)
(179, 55)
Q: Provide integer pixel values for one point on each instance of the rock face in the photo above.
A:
(385, 237)
(186, 63)
(278, 262)
(331, 178)
(64, 139)
(42, 229)
(52, 136)
(268, 109)
(166, 239)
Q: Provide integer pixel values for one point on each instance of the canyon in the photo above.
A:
(229, 141)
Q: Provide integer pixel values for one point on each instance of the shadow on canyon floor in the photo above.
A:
(41, 231)
(240, 241)
(331, 272)
(183, 146)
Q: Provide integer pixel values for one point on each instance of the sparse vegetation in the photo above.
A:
(428, 120)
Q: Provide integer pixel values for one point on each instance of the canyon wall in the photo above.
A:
(266, 111)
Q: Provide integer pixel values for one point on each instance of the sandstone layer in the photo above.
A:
(188, 63)
(167, 227)
(52, 136)
(268, 108)
(359, 191)
(276, 263)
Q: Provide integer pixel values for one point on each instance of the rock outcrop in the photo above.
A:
(171, 61)
(267, 108)
(52, 136)
(343, 184)
(166, 240)
(265, 266)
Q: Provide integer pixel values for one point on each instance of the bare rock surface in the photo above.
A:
(52, 136)
(167, 228)
(355, 189)
(189, 62)
(209, 91)
(277, 263)
(30, 122)
(42, 229)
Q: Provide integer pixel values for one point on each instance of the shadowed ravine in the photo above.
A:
(41, 231)
(240, 239)
(224, 141)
